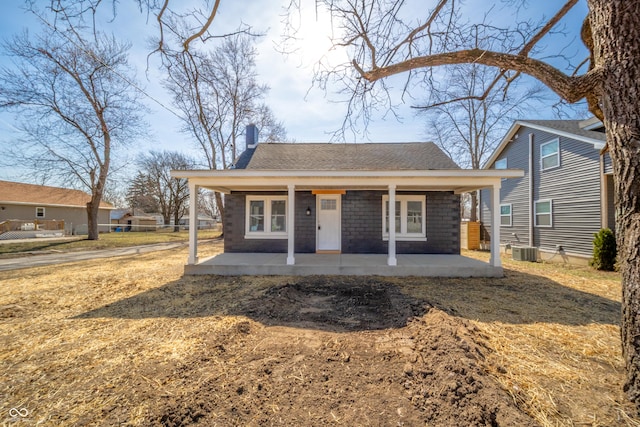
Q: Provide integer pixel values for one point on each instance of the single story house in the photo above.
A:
(325, 209)
(566, 194)
(130, 222)
(36, 204)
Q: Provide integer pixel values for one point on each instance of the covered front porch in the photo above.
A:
(290, 262)
(424, 265)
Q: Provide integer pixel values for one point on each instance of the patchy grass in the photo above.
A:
(116, 341)
(106, 241)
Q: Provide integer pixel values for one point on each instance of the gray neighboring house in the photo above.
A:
(40, 203)
(327, 198)
(566, 194)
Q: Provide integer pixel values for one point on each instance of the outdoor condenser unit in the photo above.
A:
(524, 253)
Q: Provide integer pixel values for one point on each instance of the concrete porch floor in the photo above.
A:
(238, 264)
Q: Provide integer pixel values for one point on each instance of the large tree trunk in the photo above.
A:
(93, 209)
(616, 30)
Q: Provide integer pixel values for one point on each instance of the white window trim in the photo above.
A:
(557, 154)
(267, 233)
(535, 213)
(510, 215)
(400, 235)
(44, 212)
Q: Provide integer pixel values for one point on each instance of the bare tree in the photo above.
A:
(74, 105)
(80, 13)
(140, 195)
(217, 94)
(207, 203)
(386, 39)
(468, 128)
(170, 195)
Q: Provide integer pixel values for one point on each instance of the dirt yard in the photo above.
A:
(132, 342)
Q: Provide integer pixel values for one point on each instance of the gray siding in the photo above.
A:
(361, 225)
(75, 218)
(573, 187)
(514, 191)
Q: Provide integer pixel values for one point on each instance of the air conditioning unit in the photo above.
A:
(524, 253)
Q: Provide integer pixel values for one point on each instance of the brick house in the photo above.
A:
(325, 198)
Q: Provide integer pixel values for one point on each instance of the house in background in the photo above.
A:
(32, 208)
(205, 222)
(566, 193)
(125, 220)
(388, 209)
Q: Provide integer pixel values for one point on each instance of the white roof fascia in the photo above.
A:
(251, 179)
(597, 144)
(507, 138)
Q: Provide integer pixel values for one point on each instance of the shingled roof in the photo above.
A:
(324, 156)
(568, 126)
(17, 192)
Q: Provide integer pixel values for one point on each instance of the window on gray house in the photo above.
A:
(543, 213)
(550, 154)
(505, 215)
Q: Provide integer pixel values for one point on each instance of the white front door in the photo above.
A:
(328, 209)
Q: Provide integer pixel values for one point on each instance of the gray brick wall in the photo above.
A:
(361, 225)
(234, 227)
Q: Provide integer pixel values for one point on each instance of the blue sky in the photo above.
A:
(307, 114)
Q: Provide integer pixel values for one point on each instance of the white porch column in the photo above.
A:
(193, 224)
(291, 213)
(391, 260)
(495, 226)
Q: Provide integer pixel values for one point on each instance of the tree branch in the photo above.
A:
(571, 89)
(204, 28)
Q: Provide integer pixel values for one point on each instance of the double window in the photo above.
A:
(543, 210)
(266, 217)
(550, 154)
(410, 218)
(505, 215)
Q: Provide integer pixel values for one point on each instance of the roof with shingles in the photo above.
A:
(17, 192)
(365, 156)
(569, 126)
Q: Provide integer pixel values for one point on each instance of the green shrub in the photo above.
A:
(604, 250)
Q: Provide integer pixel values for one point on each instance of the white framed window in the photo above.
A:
(543, 213)
(505, 215)
(40, 212)
(410, 215)
(266, 217)
(550, 154)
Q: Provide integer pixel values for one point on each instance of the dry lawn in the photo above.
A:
(119, 341)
